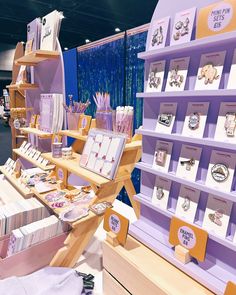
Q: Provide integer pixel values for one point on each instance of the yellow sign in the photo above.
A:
(117, 224)
(84, 122)
(230, 289)
(216, 19)
(190, 237)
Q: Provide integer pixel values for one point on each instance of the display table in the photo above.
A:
(135, 269)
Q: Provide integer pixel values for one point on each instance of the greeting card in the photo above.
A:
(195, 120)
(162, 155)
(156, 76)
(166, 117)
(161, 192)
(177, 75)
(159, 32)
(183, 26)
(210, 71)
(189, 162)
(221, 170)
(187, 203)
(217, 215)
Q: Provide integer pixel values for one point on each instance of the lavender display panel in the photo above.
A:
(152, 228)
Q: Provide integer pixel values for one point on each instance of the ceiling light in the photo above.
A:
(65, 48)
(117, 30)
(87, 41)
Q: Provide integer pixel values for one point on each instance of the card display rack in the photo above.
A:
(152, 228)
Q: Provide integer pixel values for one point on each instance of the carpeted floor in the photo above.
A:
(5, 143)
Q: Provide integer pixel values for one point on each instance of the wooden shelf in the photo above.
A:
(195, 45)
(74, 134)
(27, 158)
(39, 133)
(26, 192)
(199, 185)
(22, 86)
(36, 57)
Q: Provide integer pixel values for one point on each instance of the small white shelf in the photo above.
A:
(195, 184)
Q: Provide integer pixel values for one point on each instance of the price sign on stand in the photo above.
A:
(117, 224)
(230, 289)
(190, 237)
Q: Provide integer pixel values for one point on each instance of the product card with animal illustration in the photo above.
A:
(156, 76)
(161, 192)
(162, 155)
(232, 75)
(159, 32)
(217, 215)
(177, 75)
(221, 170)
(210, 71)
(226, 123)
(187, 203)
(166, 117)
(183, 26)
(189, 162)
(195, 120)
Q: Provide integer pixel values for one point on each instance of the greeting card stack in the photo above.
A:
(34, 233)
(34, 34)
(51, 112)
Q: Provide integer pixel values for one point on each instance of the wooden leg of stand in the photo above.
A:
(131, 192)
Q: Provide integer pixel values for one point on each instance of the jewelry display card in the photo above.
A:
(177, 75)
(161, 192)
(162, 156)
(195, 120)
(187, 203)
(217, 215)
(22, 146)
(210, 71)
(159, 32)
(221, 170)
(102, 152)
(226, 123)
(232, 75)
(189, 162)
(166, 117)
(183, 26)
(156, 76)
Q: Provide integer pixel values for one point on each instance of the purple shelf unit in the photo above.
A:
(152, 228)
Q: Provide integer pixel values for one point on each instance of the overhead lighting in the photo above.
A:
(87, 41)
(65, 48)
(117, 30)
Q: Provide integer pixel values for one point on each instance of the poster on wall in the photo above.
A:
(161, 192)
(217, 18)
(210, 71)
(183, 26)
(177, 75)
(217, 215)
(159, 33)
(156, 76)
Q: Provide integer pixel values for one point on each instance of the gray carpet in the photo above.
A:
(5, 143)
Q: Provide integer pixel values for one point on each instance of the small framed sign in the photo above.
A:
(230, 289)
(190, 237)
(84, 122)
(62, 174)
(117, 224)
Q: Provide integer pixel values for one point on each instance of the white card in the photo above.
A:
(37, 155)
(156, 76)
(89, 145)
(221, 170)
(217, 215)
(96, 147)
(99, 138)
(104, 147)
(187, 203)
(7, 163)
(177, 75)
(166, 109)
(162, 156)
(98, 165)
(232, 75)
(183, 26)
(40, 159)
(26, 147)
(226, 125)
(195, 120)
(161, 192)
(23, 145)
(45, 162)
(210, 71)
(107, 167)
(159, 32)
(92, 160)
(189, 162)
(115, 142)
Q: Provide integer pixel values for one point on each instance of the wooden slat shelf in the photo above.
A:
(36, 57)
(74, 134)
(27, 158)
(26, 192)
(22, 86)
(39, 133)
